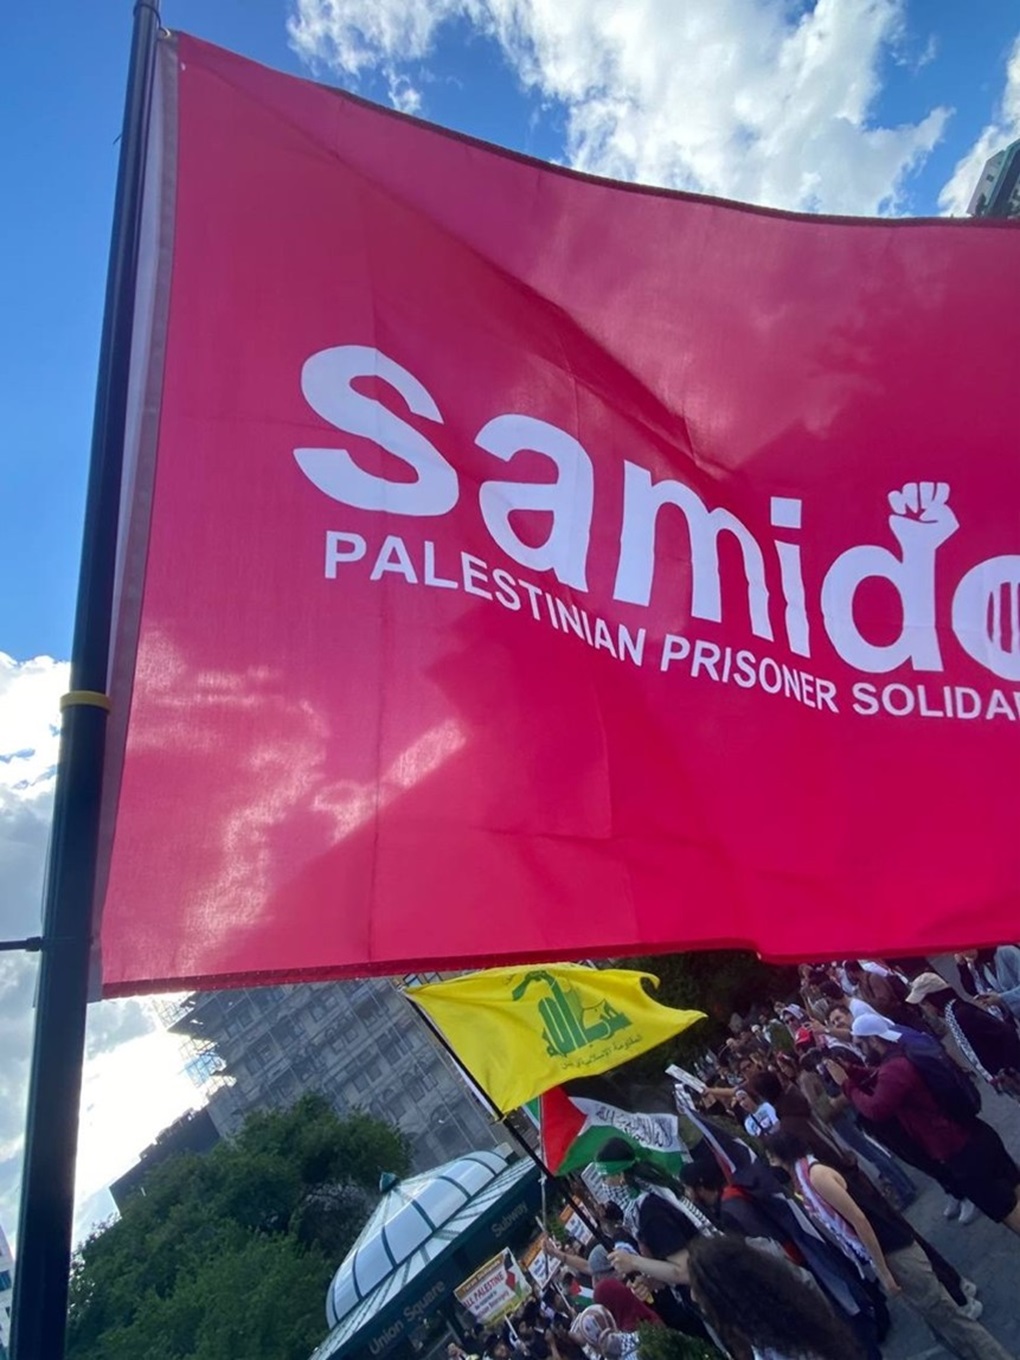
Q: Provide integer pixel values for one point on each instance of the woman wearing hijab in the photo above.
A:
(627, 1309)
(596, 1329)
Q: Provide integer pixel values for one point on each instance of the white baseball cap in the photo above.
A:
(875, 1026)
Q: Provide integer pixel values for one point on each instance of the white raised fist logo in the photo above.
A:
(922, 508)
(921, 519)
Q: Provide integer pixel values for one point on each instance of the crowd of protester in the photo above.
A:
(785, 1236)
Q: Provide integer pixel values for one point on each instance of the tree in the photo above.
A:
(716, 981)
(231, 1253)
(662, 1343)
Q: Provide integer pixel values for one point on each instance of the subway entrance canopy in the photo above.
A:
(427, 1235)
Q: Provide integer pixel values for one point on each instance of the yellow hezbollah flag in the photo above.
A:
(520, 1031)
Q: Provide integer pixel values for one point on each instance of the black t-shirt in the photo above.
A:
(890, 1227)
(994, 1041)
(662, 1228)
(739, 1213)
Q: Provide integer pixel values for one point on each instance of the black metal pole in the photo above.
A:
(503, 1119)
(472, 1080)
(39, 1312)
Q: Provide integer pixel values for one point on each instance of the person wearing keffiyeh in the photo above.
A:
(991, 1046)
(993, 978)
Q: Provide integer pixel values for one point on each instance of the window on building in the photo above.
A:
(269, 1000)
(318, 1006)
(393, 1045)
(285, 1032)
(304, 1066)
(5, 1280)
(239, 1016)
(428, 1151)
(263, 1050)
(342, 1033)
(451, 1138)
(284, 1089)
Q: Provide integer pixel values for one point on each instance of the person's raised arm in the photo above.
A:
(576, 1263)
(673, 1270)
(886, 1095)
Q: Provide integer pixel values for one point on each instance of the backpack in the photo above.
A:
(952, 1090)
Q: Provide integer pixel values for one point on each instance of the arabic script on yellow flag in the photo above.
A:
(521, 1031)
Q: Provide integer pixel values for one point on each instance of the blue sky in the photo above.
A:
(837, 105)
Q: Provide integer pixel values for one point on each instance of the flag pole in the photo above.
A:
(544, 1171)
(473, 1081)
(39, 1313)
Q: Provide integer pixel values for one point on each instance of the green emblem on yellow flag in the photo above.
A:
(521, 1031)
(569, 1024)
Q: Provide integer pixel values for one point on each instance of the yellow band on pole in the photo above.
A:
(90, 698)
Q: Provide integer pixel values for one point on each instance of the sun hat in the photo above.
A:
(924, 985)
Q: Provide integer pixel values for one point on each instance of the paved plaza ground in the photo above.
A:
(982, 1251)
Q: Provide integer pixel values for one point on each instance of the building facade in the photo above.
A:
(360, 1044)
(997, 193)
(192, 1132)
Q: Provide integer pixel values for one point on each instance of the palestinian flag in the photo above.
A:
(576, 1119)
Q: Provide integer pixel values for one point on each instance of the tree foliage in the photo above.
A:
(662, 1343)
(719, 982)
(230, 1254)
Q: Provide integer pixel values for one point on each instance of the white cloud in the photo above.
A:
(29, 694)
(402, 94)
(355, 35)
(129, 1093)
(751, 99)
(352, 36)
(1004, 128)
(133, 1080)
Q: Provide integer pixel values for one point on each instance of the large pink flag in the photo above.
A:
(520, 565)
